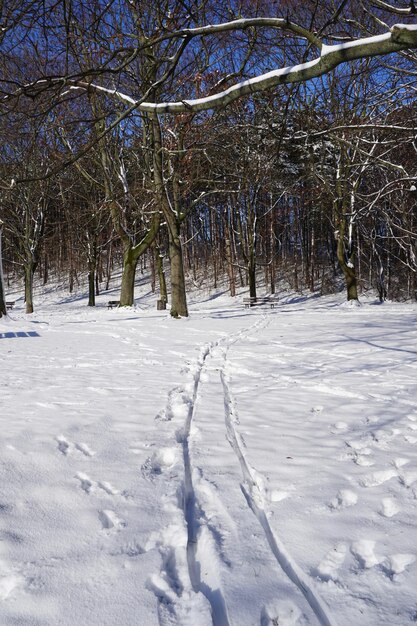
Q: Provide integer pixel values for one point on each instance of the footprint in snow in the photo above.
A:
(85, 482)
(282, 613)
(84, 449)
(363, 461)
(88, 485)
(379, 477)
(344, 499)
(389, 507)
(329, 566)
(110, 520)
(363, 551)
(63, 445)
(9, 580)
(400, 462)
(339, 427)
(162, 459)
(397, 564)
(107, 487)
(408, 479)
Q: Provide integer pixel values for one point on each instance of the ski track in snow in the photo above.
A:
(201, 537)
(198, 530)
(203, 550)
(253, 491)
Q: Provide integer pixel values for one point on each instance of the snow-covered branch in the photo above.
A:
(243, 24)
(411, 10)
(399, 37)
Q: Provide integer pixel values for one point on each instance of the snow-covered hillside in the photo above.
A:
(237, 468)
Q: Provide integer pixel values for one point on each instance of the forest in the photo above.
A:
(163, 137)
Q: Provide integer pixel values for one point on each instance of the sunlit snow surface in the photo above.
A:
(238, 468)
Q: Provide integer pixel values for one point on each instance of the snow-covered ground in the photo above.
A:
(238, 468)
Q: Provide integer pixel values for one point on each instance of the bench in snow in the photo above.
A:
(112, 303)
(10, 305)
(260, 300)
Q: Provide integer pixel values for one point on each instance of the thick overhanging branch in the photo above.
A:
(243, 24)
(400, 37)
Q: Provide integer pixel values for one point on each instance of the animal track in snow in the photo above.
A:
(363, 551)
(282, 613)
(63, 445)
(161, 459)
(344, 499)
(9, 580)
(378, 478)
(107, 487)
(86, 483)
(339, 427)
(398, 563)
(109, 520)
(328, 567)
(400, 462)
(389, 507)
(84, 449)
(408, 479)
(363, 461)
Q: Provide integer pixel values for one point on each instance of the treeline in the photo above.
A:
(314, 183)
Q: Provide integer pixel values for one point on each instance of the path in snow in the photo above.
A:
(204, 555)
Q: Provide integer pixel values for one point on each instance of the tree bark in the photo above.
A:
(29, 271)
(3, 308)
(127, 290)
(91, 286)
(346, 266)
(178, 291)
(159, 263)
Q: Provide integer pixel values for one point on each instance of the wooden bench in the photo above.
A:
(112, 303)
(10, 304)
(260, 300)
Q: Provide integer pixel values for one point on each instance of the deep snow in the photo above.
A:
(238, 468)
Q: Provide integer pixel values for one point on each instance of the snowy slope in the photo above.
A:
(238, 468)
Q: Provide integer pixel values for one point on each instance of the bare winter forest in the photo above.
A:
(204, 138)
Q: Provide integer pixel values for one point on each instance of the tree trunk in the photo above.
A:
(91, 286)
(346, 266)
(252, 278)
(127, 290)
(3, 308)
(230, 268)
(178, 291)
(163, 294)
(45, 270)
(29, 270)
(108, 266)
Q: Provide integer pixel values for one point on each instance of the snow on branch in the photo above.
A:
(243, 24)
(411, 10)
(400, 37)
